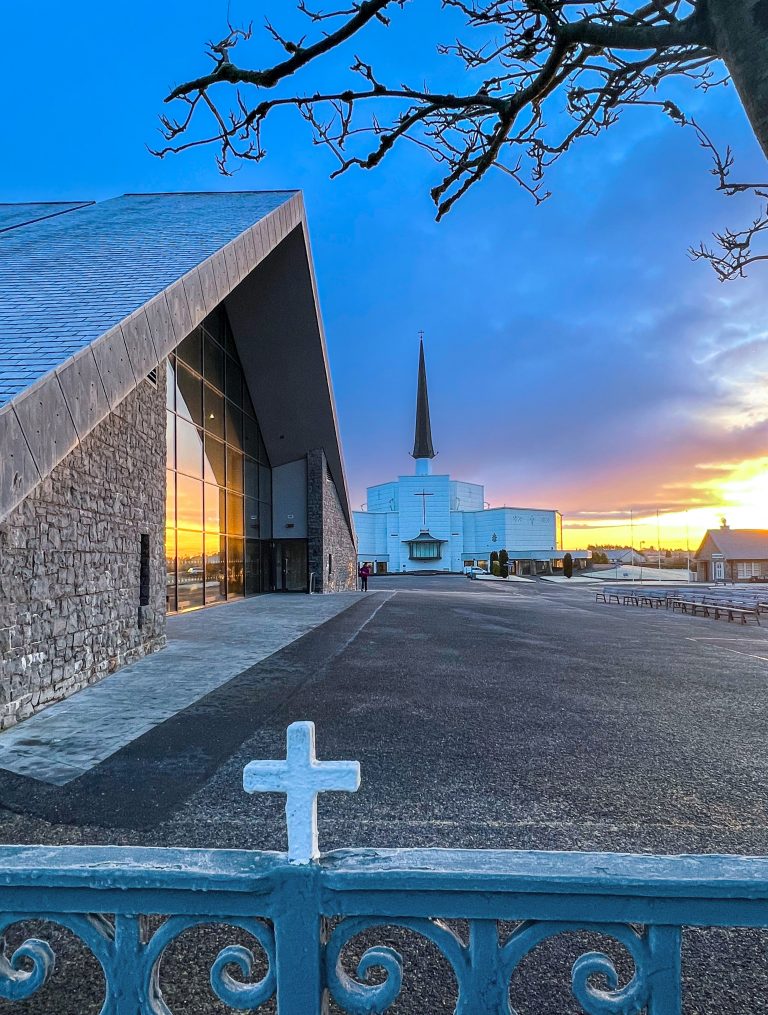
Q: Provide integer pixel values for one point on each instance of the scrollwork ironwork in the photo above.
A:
(373, 999)
(131, 965)
(483, 967)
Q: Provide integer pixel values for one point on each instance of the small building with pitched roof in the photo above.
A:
(732, 555)
(167, 427)
(431, 522)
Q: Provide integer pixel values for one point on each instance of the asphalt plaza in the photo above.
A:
(483, 715)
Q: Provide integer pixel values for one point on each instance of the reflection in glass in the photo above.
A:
(234, 389)
(235, 568)
(267, 566)
(235, 514)
(170, 569)
(213, 364)
(170, 499)
(214, 323)
(251, 437)
(265, 483)
(234, 469)
(189, 503)
(215, 458)
(229, 339)
(262, 455)
(189, 395)
(251, 478)
(170, 441)
(215, 568)
(170, 384)
(247, 402)
(265, 520)
(214, 508)
(234, 426)
(252, 567)
(191, 571)
(189, 448)
(191, 350)
(217, 541)
(214, 412)
(251, 517)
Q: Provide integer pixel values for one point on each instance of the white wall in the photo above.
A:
(466, 496)
(514, 528)
(382, 497)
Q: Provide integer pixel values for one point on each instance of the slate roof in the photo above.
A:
(69, 272)
(739, 544)
(14, 215)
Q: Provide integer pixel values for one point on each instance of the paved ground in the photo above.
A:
(483, 714)
(205, 650)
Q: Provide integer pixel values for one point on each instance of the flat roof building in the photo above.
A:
(167, 427)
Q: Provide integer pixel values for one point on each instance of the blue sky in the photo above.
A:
(577, 358)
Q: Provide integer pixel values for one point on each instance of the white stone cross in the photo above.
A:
(301, 776)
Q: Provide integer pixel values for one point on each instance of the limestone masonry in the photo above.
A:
(70, 562)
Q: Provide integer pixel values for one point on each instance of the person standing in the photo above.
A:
(363, 574)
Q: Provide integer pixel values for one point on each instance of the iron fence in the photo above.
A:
(307, 914)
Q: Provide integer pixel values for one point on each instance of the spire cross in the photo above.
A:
(424, 496)
(301, 777)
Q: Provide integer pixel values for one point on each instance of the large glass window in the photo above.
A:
(215, 455)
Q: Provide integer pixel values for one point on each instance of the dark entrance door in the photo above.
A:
(290, 565)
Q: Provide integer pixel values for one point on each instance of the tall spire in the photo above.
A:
(422, 444)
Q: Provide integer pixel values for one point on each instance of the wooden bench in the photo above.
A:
(732, 612)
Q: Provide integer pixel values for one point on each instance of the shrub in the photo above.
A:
(496, 568)
(568, 565)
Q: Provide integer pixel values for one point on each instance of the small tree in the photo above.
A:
(568, 565)
(496, 569)
(494, 556)
(503, 562)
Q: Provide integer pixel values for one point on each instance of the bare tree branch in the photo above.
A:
(539, 75)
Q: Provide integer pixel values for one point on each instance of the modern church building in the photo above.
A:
(168, 436)
(430, 522)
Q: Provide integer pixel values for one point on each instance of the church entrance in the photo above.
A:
(289, 557)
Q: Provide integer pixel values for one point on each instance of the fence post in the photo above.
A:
(299, 940)
(666, 989)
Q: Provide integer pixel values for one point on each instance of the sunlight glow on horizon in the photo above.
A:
(740, 496)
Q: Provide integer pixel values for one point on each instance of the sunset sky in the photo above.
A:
(577, 358)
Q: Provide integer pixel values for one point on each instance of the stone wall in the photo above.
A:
(328, 530)
(70, 562)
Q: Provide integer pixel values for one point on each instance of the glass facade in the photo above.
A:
(218, 524)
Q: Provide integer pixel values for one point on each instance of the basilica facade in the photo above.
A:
(428, 521)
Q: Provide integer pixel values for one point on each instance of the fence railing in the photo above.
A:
(307, 916)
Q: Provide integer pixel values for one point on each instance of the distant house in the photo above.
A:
(733, 555)
(623, 555)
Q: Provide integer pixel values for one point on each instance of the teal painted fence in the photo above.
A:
(304, 914)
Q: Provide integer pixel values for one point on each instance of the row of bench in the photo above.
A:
(705, 606)
(716, 609)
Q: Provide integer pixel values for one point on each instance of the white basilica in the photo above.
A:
(430, 522)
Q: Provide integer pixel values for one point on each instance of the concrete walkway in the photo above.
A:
(205, 649)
